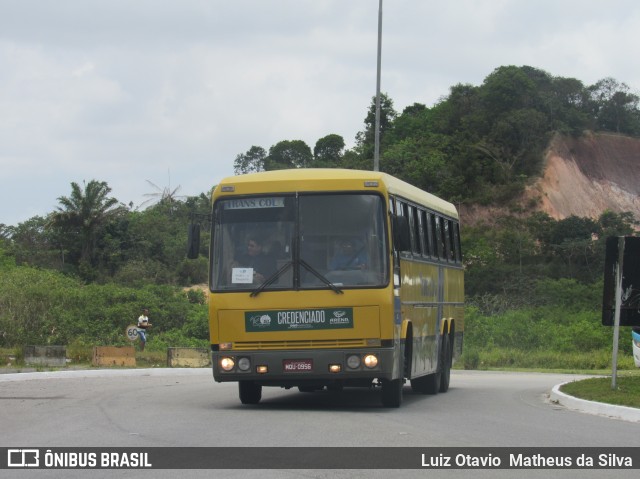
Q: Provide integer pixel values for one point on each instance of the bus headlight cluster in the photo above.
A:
(354, 361)
(228, 364)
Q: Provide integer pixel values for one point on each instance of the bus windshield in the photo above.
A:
(310, 241)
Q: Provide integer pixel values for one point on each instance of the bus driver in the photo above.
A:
(263, 264)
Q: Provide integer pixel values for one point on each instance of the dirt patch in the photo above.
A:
(583, 177)
(588, 175)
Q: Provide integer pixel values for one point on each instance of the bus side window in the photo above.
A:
(403, 209)
(456, 239)
(416, 245)
(401, 228)
(448, 240)
(433, 248)
(439, 237)
(422, 236)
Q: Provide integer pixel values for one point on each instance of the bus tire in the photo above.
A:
(431, 383)
(250, 392)
(445, 364)
(392, 391)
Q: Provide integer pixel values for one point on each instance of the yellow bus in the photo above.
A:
(333, 278)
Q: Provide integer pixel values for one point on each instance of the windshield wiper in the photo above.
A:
(271, 279)
(320, 277)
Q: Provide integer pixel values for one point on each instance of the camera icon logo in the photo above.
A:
(23, 458)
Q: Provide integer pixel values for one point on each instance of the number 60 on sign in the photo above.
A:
(132, 332)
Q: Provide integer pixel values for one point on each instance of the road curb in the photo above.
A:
(104, 373)
(592, 407)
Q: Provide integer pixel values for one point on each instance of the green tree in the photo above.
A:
(328, 151)
(420, 161)
(366, 139)
(505, 89)
(252, 161)
(521, 135)
(574, 248)
(83, 215)
(574, 228)
(567, 105)
(156, 244)
(413, 122)
(617, 224)
(515, 243)
(288, 154)
(616, 108)
(32, 243)
(458, 110)
(7, 260)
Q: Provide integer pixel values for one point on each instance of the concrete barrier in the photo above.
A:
(188, 358)
(114, 356)
(54, 356)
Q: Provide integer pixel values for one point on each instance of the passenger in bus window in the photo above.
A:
(348, 256)
(263, 264)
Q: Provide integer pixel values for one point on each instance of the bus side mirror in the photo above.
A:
(401, 234)
(193, 241)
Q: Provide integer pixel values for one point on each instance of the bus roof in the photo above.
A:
(331, 179)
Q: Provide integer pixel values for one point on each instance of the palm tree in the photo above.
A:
(85, 212)
(166, 195)
(162, 195)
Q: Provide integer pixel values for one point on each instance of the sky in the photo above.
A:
(171, 91)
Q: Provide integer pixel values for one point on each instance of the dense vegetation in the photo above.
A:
(82, 273)
(48, 307)
(479, 143)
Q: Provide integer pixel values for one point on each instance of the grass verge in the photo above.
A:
(627, 392)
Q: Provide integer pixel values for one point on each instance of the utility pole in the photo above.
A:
(376, 147)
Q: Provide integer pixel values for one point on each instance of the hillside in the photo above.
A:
(588, 175)
(583, 177)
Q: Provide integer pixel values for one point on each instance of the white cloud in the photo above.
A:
(128, 90)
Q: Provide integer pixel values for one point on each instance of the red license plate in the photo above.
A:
(297, 365)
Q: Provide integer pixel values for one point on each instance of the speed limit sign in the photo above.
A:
(132, 332)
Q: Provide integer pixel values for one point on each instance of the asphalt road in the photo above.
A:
(182, 407)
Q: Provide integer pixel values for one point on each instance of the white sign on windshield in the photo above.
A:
(242, 275)
(253, 203)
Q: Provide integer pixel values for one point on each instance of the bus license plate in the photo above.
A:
(297, 365)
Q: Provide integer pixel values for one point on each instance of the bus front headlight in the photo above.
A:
(227, 364)
(371, 361)
(353, 361)
(244, 364)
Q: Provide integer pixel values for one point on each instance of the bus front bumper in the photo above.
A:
(291, 368)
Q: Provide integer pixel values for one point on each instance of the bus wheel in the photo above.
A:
(392, 391)
(432, 383)
(427, 384)
(250, 392)
(445, 362)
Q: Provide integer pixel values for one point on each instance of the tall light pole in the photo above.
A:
(376, 147)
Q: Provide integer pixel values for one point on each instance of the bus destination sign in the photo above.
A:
(298, 319)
